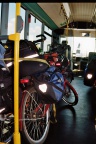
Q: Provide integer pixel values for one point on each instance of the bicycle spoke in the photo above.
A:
(35, 118)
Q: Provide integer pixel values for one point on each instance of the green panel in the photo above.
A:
(39, 12)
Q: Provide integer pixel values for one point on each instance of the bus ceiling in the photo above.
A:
(58, 15)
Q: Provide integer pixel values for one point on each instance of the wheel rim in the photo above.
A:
(37, 127)
(6, 127)
(69, 96)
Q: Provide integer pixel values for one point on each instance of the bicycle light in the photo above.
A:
(89, 76)
(43, 87)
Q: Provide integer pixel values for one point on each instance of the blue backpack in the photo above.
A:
(2, 52)
(55, 85)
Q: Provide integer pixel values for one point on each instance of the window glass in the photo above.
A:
(47, 42)
(0, 11)
(84, 46)
(81, 46)
(34, 28)
(0, 17)
(22, 13)
(11, 18)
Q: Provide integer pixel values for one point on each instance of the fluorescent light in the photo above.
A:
(67, 9)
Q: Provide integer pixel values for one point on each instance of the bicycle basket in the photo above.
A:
(50, 85)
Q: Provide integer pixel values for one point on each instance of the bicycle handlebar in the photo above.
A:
(41, 35)
(5, 37)
(40, 40)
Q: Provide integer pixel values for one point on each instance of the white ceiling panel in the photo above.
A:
(83, 12)
(53, 10)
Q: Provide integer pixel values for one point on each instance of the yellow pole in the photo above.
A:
(16, 38)
(16, 81)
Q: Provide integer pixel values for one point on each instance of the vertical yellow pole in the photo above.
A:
(16, 81)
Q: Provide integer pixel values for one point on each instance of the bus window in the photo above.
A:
(0, 11)
(47, 42)
(85, 45)
(11, 18)
(0, 18)
(34, 28)
(22, 13)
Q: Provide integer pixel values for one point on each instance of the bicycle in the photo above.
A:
(59, 60)
(34, 114)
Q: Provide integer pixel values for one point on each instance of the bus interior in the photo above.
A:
(71, 25)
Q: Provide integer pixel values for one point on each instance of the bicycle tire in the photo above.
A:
(7, 121)
(34, 131)
(70, 95)
(69, 77)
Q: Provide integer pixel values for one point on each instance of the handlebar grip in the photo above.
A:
(40, 40)
(4, 37)
(42, 36)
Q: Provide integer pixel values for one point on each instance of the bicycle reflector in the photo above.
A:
(25, 80)
(89, 76)
(43, 87)
(57, 64)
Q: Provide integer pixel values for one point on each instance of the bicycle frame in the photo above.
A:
(37, 109)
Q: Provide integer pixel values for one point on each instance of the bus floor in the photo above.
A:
(75, 125)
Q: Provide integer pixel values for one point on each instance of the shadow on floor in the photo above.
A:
(75, 125)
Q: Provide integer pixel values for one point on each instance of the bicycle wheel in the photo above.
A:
(69, 75)
(70, 95)
(6, 127)
(35, 126)
(7, 119)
